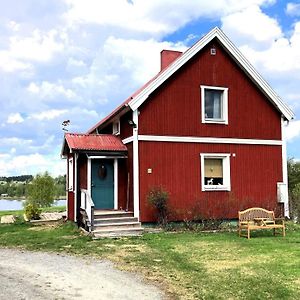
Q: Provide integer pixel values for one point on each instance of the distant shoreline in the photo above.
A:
(24, 198)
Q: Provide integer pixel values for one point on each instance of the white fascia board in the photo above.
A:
(138, 100)
(207, 140)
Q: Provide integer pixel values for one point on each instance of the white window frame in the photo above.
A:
(226, 172)
(70, 174)
(116, 127)
(224, 119)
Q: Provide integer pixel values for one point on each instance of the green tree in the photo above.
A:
(294, 188)
(41, 191)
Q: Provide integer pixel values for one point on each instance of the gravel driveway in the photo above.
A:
(38, 275)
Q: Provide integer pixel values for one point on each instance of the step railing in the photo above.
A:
(87, 204)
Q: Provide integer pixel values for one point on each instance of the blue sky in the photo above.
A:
(78, 59)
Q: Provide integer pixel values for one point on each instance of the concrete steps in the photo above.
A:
(115, 223)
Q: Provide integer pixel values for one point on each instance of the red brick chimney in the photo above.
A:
(167, 57)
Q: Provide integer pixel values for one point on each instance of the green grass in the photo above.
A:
(188, 265)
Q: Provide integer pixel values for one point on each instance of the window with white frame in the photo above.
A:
(116, 127)
(215, 171)
(70, 174)
(214, 104)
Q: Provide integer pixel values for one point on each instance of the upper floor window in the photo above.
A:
(214, 104)
(116, 127)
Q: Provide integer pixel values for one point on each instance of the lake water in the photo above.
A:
(17, 204)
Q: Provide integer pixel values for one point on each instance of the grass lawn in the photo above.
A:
(188, 265)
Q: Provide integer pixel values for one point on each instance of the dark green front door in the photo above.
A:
(103, 183)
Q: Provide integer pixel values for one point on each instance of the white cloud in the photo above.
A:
(254, 27)
(40, 46)
(156, 17)
(15, 118)
(293, 9)
(48, 114)
(140, 58)
(31, 164)
(10, 64)
(14, 26)
(282, 55)
(48, 89)
(292, 131)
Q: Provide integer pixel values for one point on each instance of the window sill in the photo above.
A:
(215, 188)
(212, 121)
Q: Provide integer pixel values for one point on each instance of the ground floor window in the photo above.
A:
(215, 171)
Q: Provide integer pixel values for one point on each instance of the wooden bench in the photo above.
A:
(259, 218)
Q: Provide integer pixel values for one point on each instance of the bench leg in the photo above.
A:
(283, 231)
(248, 235)
(274, 232)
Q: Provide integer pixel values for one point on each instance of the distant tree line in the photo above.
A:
(294, 188)
(19, 186)
(22, 178)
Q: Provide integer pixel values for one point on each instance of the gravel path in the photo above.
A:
(38, 275)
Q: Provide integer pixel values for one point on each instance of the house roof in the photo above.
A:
(141, 95)
(96, 142)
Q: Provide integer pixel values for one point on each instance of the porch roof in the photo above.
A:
(94, 142)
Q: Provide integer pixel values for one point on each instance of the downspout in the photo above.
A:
(284, 168)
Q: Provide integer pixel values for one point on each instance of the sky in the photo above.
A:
(78, 59)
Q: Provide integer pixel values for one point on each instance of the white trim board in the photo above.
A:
(234, 52)
(207, 140)
(136, 184)
(128, 140)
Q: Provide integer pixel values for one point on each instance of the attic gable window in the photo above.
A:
(214, 104)
(215, 172)
(116, 127)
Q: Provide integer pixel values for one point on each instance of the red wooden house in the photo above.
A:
(208, 128)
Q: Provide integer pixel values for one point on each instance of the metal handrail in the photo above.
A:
(88, 205)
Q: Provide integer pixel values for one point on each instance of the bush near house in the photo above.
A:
(158, 198)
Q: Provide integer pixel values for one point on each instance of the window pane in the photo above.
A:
(213, 171)
(213, 104)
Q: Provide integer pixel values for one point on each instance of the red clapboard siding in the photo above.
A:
(174, 108)
(255, 170)
(126, 129)
(70, 201)
(82, 165)
(122, 183)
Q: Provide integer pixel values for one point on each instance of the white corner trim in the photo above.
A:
(128, 140)
(75, 185)
(226, 172)
(224, 119)
(89, 177)
(234, 52)
(284, 169)
(207, 140)
(136, 190)
(116, 183)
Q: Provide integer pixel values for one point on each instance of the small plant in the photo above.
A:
(32, 212)
(158, 198)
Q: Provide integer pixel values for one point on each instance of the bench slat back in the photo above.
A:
(255, 212)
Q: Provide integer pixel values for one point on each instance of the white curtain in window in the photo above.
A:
(217, 105)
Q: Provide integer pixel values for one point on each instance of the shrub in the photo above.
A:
(158, 198)
(32, 212)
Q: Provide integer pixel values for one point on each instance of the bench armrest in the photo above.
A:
(282, 220)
